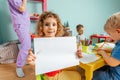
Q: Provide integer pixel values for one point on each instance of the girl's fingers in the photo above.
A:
(79, 53)
(31, 53)
(31, 60)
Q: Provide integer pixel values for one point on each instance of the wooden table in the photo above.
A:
(91, 67)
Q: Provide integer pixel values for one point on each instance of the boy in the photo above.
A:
(112, 70)
(80, 31)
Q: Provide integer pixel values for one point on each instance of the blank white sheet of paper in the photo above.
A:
(87, 58)
(54, 53)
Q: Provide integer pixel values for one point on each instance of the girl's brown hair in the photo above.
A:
(44, 16)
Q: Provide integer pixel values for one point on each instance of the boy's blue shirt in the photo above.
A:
(115, 71)
(116, 51)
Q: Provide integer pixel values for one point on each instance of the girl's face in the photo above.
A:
(50, 27)
(114, 34)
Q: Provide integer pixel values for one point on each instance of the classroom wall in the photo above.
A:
(6, 30)
(91, 13)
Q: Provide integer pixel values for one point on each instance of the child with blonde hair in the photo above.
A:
(112, 70)
(49, 25)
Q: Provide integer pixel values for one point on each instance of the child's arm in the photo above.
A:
(108, 59)
(107, 50)
(79, 53)
(31, 58)
(22, 8)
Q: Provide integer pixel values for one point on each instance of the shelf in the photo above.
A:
(32, 18)
(44, 8)
(37, 0)
(44, 4)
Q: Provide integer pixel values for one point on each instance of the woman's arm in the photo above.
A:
(22, 8)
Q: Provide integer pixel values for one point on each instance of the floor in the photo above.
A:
(7, 72)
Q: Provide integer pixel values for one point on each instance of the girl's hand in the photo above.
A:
(31, 57)
(79, 53)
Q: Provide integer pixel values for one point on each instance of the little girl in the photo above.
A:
(21, 24)
(49, 25)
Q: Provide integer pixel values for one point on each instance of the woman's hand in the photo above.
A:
(31, 57)
(79, 53)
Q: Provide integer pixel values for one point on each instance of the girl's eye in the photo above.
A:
(46, 24)
(54, 24)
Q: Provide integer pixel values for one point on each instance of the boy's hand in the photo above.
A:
(31, 57)
(101, 52)
(107, 50)
(79, 53)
